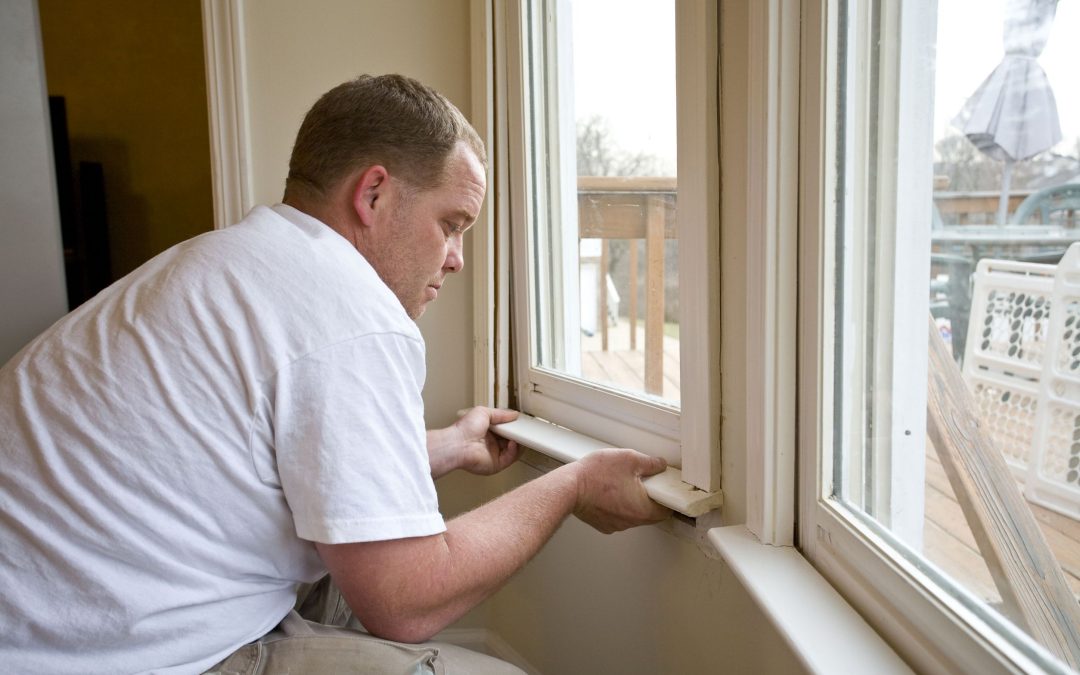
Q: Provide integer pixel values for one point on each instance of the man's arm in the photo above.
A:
(468, 444)
(409, 589)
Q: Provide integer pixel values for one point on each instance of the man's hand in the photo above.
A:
(469, 444)
(482, 452)
(611, 496)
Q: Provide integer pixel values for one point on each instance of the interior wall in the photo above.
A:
(32, 293)
(638, 602)
(133, 75)
(294, 52)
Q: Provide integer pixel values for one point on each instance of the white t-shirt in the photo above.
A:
(172, 448)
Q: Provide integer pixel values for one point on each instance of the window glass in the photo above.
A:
(957, 139)
(601, 154)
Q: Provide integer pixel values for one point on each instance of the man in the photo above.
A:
(242, 414)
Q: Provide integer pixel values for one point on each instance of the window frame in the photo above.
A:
(687, 438)
(935, 630)
(776, 268)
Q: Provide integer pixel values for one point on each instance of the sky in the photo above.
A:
(624, 60)
(970, 46)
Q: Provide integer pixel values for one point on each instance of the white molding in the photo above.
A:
(697, 62)
(503, 305)
(667, 488)
(823, 631)
(563, 304)
(619, 418)
(226, 88)
(484, 237)
(816, 263)
(909, 100)
(772, 234)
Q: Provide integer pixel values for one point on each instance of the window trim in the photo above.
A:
(769, 436)
(226, 89)
(690, 438)
(934, 630)
(763, 171)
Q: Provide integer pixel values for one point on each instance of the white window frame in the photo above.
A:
(933, 629)
(688, 437)
(887, 478)
(777, 329)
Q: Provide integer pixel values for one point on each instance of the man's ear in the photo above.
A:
(369, 192)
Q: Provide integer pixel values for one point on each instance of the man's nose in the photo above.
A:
(455, 255)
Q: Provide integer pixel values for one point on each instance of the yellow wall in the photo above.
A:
(132, 72)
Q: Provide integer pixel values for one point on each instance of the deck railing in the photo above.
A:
(637, 208)
(633, 208)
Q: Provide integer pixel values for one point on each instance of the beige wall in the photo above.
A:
(640, 602)
(294, 52)
(132, 72)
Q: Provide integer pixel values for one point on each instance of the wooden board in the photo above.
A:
(1034, 592)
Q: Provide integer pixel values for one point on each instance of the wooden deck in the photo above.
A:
(623, 367)
(949, 543)
(947, 539)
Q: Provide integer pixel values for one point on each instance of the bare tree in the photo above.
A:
(599, 155)
(969, 170)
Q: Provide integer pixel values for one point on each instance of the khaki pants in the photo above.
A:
(322, 636)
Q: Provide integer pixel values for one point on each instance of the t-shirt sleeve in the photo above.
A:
(351, 445)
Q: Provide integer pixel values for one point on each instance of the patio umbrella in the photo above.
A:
(1013, 115)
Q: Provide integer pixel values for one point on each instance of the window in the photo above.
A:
(937, 418)
(613, 195)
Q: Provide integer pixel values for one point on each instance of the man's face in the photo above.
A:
(424, 241)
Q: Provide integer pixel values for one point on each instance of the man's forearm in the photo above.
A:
(410, 589)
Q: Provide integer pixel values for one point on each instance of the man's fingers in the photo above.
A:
(651, 466)
(510, 454)
(501, 415)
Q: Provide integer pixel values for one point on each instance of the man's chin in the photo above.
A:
(418, 311)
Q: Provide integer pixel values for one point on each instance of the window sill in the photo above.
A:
(567, 446)
(825, 633)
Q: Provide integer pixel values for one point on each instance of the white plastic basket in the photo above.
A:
(1054, 478)
(1003, 355)
(1022, 361)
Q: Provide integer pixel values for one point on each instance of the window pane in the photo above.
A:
(601, 101)
(958, 172)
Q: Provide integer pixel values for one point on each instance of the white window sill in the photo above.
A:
(567, 446)
(824, 632)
